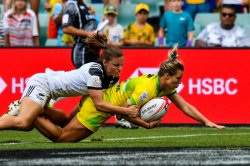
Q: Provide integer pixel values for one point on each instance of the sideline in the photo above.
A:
(171, 136)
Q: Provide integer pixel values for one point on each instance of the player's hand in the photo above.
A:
(153, 124)
(91, 33)
(133, 111)
(213, 125)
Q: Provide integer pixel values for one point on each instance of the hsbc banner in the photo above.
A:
(215, 81)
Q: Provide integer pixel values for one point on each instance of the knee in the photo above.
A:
(23, 124)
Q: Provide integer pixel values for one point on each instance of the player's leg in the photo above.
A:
(47, 128)
(35, 96)
(29, 110)
(56, 116)
(74, 131)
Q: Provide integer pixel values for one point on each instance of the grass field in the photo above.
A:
(111, 137)
(115, 146)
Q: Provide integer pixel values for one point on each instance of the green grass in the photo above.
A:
(111, 137)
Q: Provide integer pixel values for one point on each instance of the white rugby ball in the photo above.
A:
(154, 109)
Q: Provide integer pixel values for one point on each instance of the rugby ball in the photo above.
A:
(154, 109)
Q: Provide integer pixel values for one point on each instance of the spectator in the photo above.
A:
(225, 33)
(68, 40)
(241, 6)
(49, 5)
(140, 32)
(197, 6)
(34, 5)
(1, 29)
(78, 21)
(20, 26)
(178, 25)
(58, 8)
(113, 2)
(113, 30)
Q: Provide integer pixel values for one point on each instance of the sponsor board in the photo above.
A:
(215, 81)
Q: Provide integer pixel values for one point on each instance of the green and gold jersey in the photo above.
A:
(136, 91)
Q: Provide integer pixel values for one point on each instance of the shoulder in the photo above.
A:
(149, 26)
(131, 25)
(8, 13)
(213, 26)
(70, 6)
(186, 14)
(95, 68)
(239, 31)
(119, 26)
(31, 12)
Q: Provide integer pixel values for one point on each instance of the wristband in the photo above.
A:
(189, 43)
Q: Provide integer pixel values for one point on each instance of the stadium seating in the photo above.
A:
(44, 19)
(99, 9)
(126, 14)
(41, 7)
(203, 19)
(247, 28)
(51, 42)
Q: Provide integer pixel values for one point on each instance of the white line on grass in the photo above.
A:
(172, 136)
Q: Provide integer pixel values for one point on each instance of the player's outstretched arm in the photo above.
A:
(192, 112)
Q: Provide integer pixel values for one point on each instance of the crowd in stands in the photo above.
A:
(173, 23)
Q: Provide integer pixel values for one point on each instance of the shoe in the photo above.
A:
(13, 108)
(125, 124)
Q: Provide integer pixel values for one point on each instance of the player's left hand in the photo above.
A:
(213, 125)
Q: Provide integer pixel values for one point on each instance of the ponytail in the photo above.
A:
(171, 65)
(98, 42)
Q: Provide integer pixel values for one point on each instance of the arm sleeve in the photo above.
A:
(95, 77)
(34, 24)
(190, 23)
(57, 9)
(5, 24)
(69, 14)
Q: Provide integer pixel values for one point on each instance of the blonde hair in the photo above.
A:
(171, 65)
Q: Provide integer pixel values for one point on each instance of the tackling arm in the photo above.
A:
(101, 105)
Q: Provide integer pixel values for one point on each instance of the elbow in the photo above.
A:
(99, 106)
(66, 30)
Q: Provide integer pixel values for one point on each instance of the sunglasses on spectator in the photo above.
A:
(228, 14)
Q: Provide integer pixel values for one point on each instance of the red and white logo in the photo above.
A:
(3, 85)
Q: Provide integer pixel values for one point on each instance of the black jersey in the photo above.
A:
(79, 16)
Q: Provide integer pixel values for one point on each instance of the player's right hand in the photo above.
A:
(153, 124)
(133, 111)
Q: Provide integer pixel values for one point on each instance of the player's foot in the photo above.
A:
(13, 108)
(125, 124)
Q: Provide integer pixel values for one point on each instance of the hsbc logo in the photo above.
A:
(3, 85)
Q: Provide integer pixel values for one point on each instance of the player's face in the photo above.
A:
(172, 82)
(114, 66)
